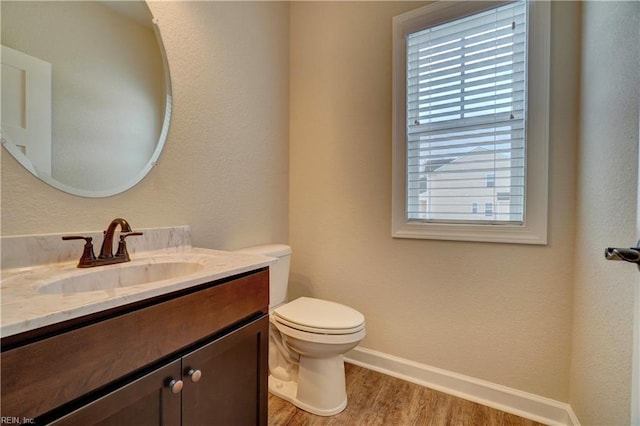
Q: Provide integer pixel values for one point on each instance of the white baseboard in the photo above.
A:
(523, 404)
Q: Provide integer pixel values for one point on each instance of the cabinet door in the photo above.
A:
(144, 402)
(232, 387)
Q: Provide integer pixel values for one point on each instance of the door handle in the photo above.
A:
(631, 254)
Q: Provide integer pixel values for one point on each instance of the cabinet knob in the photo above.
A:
(194, 375)
(175, 385)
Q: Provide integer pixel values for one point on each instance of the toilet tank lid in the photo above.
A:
(272, 250)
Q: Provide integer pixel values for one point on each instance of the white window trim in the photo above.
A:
(534, 228)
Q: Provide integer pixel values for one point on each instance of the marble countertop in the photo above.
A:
(33, 297)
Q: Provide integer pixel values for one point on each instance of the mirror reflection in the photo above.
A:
(85, 101)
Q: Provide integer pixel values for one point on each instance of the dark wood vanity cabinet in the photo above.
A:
(124, 369)
(227, 391)
(234, 370)
(145, 401)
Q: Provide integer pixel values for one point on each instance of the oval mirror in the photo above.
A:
(86, 93)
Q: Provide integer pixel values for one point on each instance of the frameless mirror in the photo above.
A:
(86, 94)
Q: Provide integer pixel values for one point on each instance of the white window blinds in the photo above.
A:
(466, 116)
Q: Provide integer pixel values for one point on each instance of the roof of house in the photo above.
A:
(434, 165)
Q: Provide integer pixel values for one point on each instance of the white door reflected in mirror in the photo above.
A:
(26, 108)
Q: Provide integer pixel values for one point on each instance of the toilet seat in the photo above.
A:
(319, 317)
(320, 331)
(324, 338)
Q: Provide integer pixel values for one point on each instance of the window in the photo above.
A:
(488, 209)
(491, 177)
(471, 121)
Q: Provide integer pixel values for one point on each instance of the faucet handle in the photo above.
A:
(88, 258)
(122, 244)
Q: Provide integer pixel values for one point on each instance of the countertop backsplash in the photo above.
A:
(23, 251)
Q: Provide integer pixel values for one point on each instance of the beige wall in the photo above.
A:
(224, 170)
(492, 311)
(606, 213)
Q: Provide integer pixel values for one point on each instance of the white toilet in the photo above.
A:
(307, 338)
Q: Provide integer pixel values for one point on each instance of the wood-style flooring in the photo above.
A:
(378, 399)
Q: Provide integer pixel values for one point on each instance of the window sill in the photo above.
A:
(478, 233)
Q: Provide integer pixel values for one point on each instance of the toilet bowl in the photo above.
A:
(307, 339)
(304, 334)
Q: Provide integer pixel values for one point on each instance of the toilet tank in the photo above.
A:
(278, 272)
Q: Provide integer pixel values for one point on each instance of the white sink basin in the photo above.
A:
(124, 275)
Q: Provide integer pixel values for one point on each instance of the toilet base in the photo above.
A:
(324, 393)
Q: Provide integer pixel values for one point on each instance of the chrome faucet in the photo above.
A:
(106, 256)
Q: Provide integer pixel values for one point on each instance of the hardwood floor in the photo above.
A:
(378, 399)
